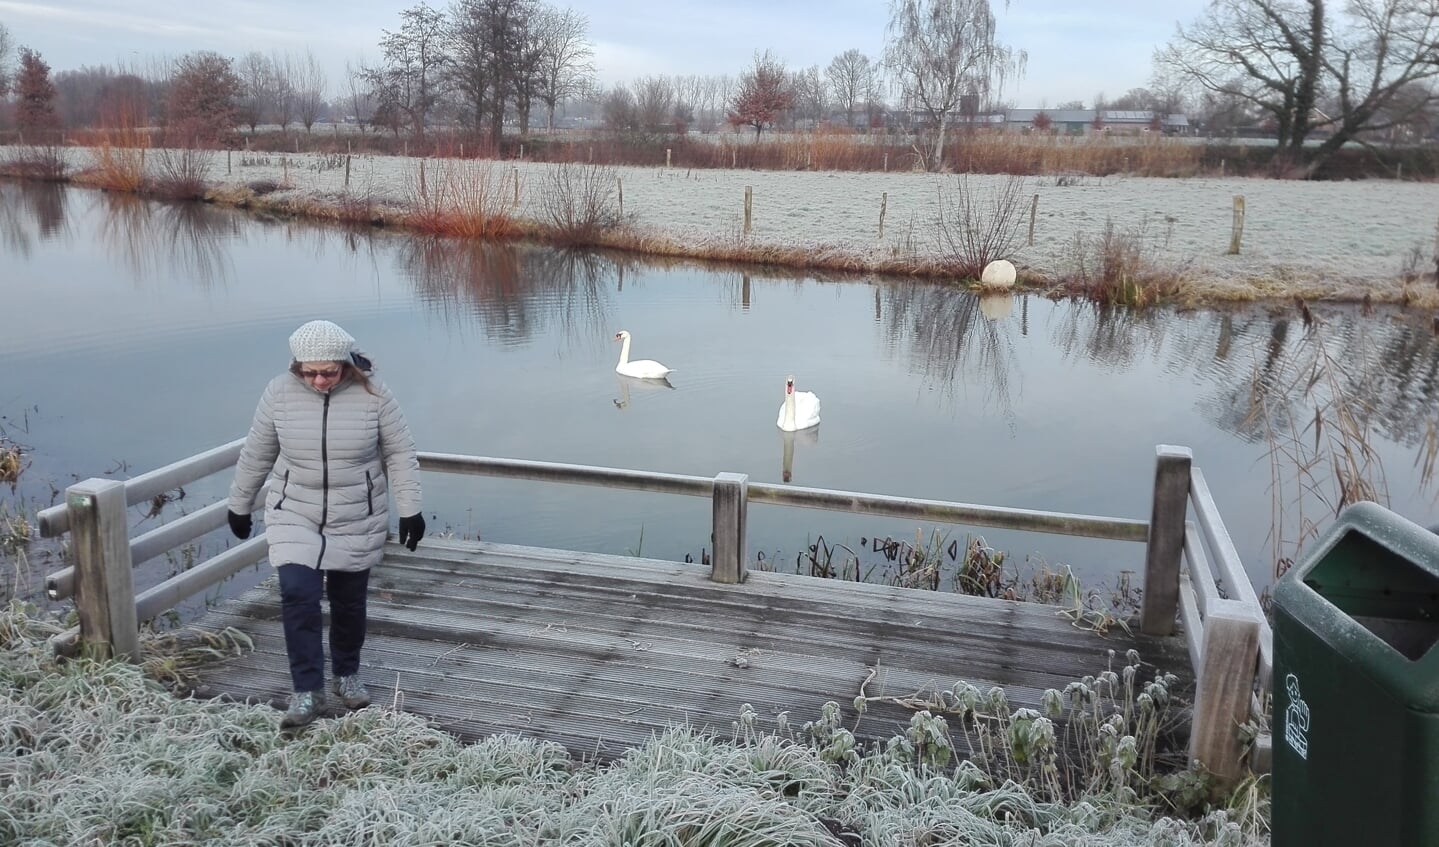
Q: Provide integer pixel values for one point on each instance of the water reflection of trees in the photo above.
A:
(25, 203)
(149, 237)
(1108, 336)
(514, 290)
(1385, 367)
(948, 337)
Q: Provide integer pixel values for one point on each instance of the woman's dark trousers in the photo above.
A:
(301, 588)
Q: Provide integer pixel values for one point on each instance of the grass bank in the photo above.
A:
(106, 753)
(1070, 234)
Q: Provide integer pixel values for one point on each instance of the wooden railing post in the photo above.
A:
(1166, 539)
(1224, 685)
(104, 588)
(731, 502)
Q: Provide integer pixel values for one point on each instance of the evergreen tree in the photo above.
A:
(35, 96)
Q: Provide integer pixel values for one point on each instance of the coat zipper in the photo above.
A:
(284, 490)
(370, 492)
(324, 477)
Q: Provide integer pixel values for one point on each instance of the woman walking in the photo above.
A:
(333, 443)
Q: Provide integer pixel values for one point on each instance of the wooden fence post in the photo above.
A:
(731, 501)
(748, 207)
(620, 190)
(422, 178)
(1224, 686)
(883, 206)
(1033, 211)
(516, 172)
(1238, 225)
(347, 171)
(104, 586)
(667, 157)
(1166, 539)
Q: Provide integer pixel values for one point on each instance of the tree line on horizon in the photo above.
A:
(1298, 68)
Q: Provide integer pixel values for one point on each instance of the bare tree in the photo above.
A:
(407, 84)
(310, 89)
(489, 43)
(283, 76)
(849, 76)
(810, 94)
(944, 51)
(654, 103)
(527, 66)
(763, 95)
(566, 66)
(358, 97)
(1284, 57)
(617, 109)
(257, 100)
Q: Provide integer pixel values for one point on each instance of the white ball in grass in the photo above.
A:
(998, 274)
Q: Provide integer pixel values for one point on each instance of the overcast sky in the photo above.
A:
(1077, 48)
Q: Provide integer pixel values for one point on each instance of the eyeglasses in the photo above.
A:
(332, 373)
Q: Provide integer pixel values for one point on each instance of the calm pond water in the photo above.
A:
(136, 333)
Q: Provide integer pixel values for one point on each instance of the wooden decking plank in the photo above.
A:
(798, 589)
(1012, 661)
(741, 598)
(509, 705)
(488, 638)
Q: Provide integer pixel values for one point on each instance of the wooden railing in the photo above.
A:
(1229, 640)
(1231, 644)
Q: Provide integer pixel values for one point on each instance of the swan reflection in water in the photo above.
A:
(623, 401)
(808, 437)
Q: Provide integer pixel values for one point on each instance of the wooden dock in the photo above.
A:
(600, 652)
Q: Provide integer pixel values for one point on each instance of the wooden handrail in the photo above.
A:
(1231, 570)
(941, 511)
(55, 521)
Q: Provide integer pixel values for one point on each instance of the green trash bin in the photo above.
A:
(1356, 686)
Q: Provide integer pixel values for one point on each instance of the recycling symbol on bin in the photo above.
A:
(1296, 718)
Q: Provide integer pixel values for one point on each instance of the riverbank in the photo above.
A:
(1115, 238)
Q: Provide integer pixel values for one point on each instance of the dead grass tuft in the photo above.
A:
(1112, 269)
(45, 162)
(118, 160)
(181, 174)
(12, 462)
(465, 198)
(580, 202)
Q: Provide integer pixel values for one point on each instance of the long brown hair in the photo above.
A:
(350, 371)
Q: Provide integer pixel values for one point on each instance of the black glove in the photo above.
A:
(412, 529)
(240, 525)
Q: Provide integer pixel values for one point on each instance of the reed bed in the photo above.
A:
(99, 752)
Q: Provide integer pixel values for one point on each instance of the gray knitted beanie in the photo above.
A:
(321, 341)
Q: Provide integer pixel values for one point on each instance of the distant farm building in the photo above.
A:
(1084, 121)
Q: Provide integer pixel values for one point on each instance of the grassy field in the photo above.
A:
(105, 753)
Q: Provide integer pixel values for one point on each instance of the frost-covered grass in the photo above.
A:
(1338, 240)
(99, 753)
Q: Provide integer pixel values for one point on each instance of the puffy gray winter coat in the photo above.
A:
(331, 460)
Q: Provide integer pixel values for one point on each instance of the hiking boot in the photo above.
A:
(351, 691)
(305, 706)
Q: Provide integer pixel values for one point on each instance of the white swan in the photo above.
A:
(800, 409)
(641, 368)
